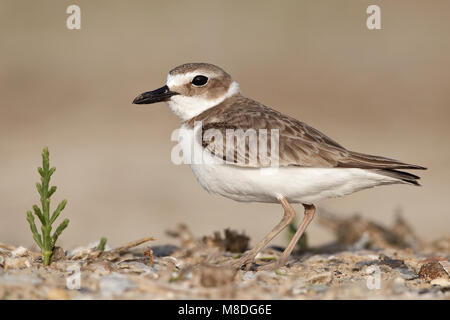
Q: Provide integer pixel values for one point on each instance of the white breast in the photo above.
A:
(296, 184)
(188, 107)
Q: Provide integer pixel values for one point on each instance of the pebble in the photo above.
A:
(432, 270)
(249, 275)
(17, 263)
(322, 278)
(364, 263)
(18, 280)
(299, 291)
(299, 288)
(115, 284)
(445, 283)
(163, 250)
(139, 267)
(407, 274)
(393, 263)
(19, 252)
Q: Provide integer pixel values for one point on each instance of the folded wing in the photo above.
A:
(299, 144)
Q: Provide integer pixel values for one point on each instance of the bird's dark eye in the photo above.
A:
(199, 81)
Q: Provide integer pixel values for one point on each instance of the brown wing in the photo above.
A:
(299, 143)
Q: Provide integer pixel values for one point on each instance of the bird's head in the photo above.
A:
(191, 89)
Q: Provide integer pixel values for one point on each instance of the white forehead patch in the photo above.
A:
(183, 78)
(188, 107)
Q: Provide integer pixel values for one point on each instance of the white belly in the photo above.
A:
(296, 184)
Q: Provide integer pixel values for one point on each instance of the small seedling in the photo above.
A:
(46, 241)
(280, 272)
(102, 244)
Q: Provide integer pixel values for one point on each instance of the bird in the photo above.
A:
(303, 165)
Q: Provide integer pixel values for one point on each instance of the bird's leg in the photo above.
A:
(247, 258)
(310, 210)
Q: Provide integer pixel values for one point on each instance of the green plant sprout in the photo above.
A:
(101, 245)
(47, 241)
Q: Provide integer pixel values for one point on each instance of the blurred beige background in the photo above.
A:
(384, 92)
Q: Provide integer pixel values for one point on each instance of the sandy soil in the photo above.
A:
(366, 261)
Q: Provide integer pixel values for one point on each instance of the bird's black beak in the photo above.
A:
(158, 95)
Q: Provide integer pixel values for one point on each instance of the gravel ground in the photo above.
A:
(367, 261)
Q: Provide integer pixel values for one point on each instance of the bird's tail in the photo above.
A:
(401, 175)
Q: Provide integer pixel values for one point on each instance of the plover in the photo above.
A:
(310, 165)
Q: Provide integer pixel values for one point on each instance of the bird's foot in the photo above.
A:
(244, 261)
(272, 266)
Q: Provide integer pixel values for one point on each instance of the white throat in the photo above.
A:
(188, 107)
